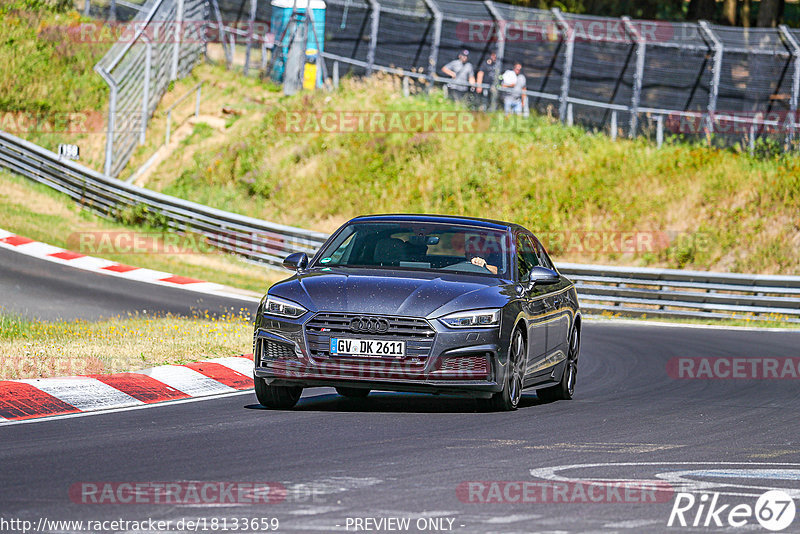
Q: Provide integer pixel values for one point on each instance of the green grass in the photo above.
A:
(38, 212)
(720, 209)
(38, 349)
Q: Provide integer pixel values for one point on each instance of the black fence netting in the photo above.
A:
(698, 78)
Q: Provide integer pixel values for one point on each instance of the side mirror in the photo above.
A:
(296, 262)
(542, 276)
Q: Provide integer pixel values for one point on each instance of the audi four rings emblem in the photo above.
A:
(373, 325)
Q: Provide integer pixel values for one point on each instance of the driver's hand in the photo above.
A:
(480, 262)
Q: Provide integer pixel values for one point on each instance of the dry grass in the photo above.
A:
(35, 349)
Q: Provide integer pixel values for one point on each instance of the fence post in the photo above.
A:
(87, 5)
(176, 50)
(433, 58)
(500, 32)
(221, 26)
(112, 11)
(112, 110)
(148, 51)
(638, 75)
(794, 48)
(569, 35)
(718, 49)
(250, 25)
(375, 20)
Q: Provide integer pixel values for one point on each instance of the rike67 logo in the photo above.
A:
(774, 510)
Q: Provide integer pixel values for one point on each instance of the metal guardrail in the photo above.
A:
(602, 289)
(246, 236)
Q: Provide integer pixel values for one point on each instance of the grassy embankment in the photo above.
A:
(721, 210)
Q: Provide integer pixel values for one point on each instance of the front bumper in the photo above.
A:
(460, 362)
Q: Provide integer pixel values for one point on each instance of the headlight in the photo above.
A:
(283, 308)
(472, 319)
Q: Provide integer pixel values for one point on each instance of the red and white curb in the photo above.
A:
(47, 252)
(45, 397)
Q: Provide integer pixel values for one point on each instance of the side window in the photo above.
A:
(544, 259)
(526, 257)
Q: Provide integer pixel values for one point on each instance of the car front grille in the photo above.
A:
(477, 364)
(417, 333)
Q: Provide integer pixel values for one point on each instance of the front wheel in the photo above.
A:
(276, 397)
(508, 399)
(565, 389)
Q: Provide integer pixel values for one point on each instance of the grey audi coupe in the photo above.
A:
(420, 303)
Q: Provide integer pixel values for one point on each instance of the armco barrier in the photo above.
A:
(616, 290)
(252, 238)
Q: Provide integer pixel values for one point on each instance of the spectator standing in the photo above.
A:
(514, 98)
(463, 74)
(486, 75)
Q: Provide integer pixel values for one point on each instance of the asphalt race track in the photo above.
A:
(45, 290)
(405, 456)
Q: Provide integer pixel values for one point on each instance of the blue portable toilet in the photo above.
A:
(281, 15)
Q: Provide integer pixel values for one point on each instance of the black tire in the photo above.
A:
(508, 399)
(352, 393)
(276, 397)
(565, 389)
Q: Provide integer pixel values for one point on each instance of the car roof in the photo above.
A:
(448, 219)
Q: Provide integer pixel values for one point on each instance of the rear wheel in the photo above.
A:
(276, 397)
(565, 389)
(352, 393)
(508, 398)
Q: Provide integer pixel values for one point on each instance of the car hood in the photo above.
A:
(380, 292)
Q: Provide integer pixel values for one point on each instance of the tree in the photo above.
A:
(770, 13)
(701, 10)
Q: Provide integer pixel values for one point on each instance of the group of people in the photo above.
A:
(512, 82)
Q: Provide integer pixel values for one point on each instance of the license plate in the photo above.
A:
(367, 347)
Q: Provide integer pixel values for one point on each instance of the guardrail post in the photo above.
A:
(570, 116)
(794, 49)
(614, 125)
(176, 49)
(375, 19)
(406, 89)
(169, 127)
(250, 24)
(638, 75)
(718, 49)
(569, 35)
(197, 101)
(335, 75)
(501, 29)
(146, 93)
(433, 58)
(659, 130)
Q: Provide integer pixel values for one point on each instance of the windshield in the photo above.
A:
(439, 247)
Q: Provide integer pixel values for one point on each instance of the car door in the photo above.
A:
(557, 305)
(532, 302)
